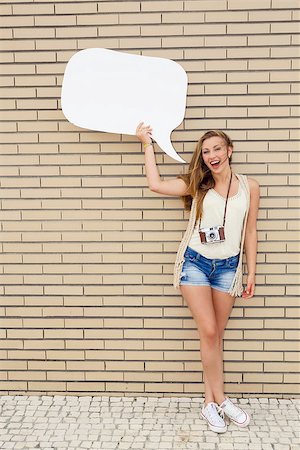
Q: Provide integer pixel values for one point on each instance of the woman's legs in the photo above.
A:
(210, 309)
(223, 304)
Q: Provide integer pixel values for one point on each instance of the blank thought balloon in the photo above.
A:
(112, 91)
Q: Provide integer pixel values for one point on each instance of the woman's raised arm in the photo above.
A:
(175, 186)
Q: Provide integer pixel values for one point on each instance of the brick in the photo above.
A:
(57, 44)
(75, 32)
(122, 387)
(35, 80)
(226, 16)
(185, 41)
(119, 6)
(84, 43)
(96, 19)
(269, 64)
(248, 100)
(283, 123)
(6, 33)
(284, 51)
(284, 27)
(226, 89)
(125, 30)
(248, 123)
(47, 386)
(140, 18)
(17, 385)
(76, 8)
(226, 41)
(255, 4)
(248, 28)
(248, 77)
(269, 16)
(194, 5)
(143, 42)
(295, 64)
(55, 20)
(268, 111)
(269, 40)
(17, 92)
(259, 377)
(265, 334)
(5, 9)
(16, 21)
(248, 52)
(50, 68)
(171, 5)
(265, 134)
(35, 57)
(282, 4)
(37, 126)
(285, 388)
(291, 378)
(33, 33)
(270, 88)
(202, 29)
(247, 366)
(32, 9)
(164, 387)
(12, 45)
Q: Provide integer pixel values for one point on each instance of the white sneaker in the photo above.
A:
(214, 416)
(236, 415)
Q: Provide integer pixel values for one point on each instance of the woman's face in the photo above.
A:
(215, 153)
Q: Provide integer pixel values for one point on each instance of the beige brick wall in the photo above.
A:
(87, 250)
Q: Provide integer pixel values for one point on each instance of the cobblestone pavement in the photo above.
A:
(60, 422)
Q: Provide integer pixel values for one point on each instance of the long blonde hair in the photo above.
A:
(199, 178)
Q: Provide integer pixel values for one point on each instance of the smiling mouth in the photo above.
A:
(215, 164)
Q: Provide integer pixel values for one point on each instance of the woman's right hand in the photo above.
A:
(143, 133)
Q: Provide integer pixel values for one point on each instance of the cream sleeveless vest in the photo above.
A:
(236, 288)
(213, 213)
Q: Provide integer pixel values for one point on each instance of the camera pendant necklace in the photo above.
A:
(216, 233)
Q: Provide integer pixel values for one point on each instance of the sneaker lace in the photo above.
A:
(233, 410)
(215, 411)
(220, 411)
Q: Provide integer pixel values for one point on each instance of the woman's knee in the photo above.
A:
(210, 334)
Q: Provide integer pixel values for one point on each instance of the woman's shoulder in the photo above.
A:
(253, 184)
(254, 188)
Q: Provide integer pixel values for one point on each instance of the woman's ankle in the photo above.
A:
(209, 400)
(220, 399)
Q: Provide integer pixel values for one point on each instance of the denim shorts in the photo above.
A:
(200, 271)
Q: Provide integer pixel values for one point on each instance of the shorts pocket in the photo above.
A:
(183, 276)
(189, 256)
(232, 262)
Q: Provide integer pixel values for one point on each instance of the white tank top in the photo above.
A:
(213, 213)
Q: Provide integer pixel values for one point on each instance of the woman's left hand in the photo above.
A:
(249, 291)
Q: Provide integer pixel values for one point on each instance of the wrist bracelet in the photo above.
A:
(146, 144)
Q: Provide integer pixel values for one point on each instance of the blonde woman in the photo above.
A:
(208, 268)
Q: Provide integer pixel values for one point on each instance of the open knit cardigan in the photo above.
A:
(236, 287)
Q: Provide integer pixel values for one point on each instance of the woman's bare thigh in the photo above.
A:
(200, 303)
(223, 304)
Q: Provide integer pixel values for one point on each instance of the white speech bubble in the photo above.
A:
(112, 91)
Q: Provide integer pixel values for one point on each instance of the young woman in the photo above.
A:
(208, 268)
